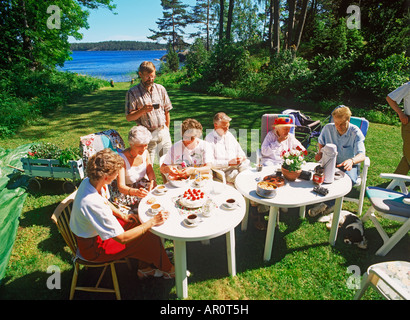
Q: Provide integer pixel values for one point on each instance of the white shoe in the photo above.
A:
(329, 210)
(318, 209)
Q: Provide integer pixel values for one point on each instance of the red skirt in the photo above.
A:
(147, 248)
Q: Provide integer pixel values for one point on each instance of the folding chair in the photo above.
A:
(391, 205)
(94, 142)
(363, 125)
(306, 128)
(61, 217)
(389, 278)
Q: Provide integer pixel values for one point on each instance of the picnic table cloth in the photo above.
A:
(13, 186)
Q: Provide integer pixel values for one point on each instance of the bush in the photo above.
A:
(25, 94)
(227, 64)
(383, 76)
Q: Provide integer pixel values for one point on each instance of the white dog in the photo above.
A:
(351, 226)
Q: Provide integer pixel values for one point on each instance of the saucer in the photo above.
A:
(149, 211)
(156, 192)
(225, 207)
(189, 224)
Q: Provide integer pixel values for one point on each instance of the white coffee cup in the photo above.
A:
(155, 208)
(230, 203)
(192, 218)
(161, 188)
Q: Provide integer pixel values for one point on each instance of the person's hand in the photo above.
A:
(318, 156)
(403, 118)
(347, 164)
(235, 161)
(160, 218)
(141, 192)
(148, 108)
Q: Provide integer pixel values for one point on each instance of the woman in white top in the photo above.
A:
(278, 140)
(137, 177)
(105, 235)
(191, 155)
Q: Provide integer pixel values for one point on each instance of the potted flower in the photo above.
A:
(292, 163)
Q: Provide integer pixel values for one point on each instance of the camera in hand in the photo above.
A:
(156, 105)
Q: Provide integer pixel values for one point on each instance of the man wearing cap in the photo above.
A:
(148, 104)
(394, 98)
(278, 140)
(228, 154)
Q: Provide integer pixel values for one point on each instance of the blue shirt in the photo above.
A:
(348, 145)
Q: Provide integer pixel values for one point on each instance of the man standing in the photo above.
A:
(228, 154)
(394, 98)
(148, 104)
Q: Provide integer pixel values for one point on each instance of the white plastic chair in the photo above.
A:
(391, 279)
(391, 205)
(363, 125)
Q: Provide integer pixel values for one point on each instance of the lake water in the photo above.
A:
(120, 66)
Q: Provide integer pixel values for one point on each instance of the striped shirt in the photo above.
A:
(138, 96)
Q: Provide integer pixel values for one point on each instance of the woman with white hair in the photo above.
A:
(137, 177)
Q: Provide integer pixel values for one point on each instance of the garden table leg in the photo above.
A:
(273, 214)
(230, 250)
(181, 279)
(335, 221)
(244, 224)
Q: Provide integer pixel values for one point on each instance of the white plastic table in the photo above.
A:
(298, 193)
(221, 221)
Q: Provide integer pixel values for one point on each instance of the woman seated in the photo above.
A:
(101, 236)
(189, 156)
(277, 140)
(137, 177)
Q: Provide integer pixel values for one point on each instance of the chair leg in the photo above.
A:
(74, 280)
(395, 238)
(115, 281)
(366, 281)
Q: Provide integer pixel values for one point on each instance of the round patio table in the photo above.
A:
(221, 221)
(298, 193)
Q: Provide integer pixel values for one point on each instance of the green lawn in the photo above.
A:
(303, 265)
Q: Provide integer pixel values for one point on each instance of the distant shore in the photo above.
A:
(117, 46)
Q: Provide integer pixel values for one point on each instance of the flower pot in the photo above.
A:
(291, 175)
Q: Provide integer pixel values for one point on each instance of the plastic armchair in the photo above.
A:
(391, 279)
(61, 217)
(363, 125)
(390, 204)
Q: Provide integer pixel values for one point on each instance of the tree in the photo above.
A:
(171, 26)
(29, 42)
(202, 14)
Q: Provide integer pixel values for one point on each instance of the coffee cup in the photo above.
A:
(161, 188)
(192, 218)
(230, 203)
(155, 208)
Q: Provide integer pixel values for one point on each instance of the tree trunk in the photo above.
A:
(229, 24)
(276, 26)
(221, 19)
(301, 24)
(291, 22)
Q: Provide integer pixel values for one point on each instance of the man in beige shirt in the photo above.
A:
(148, 104)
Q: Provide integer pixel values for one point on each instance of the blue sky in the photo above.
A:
(133, 21)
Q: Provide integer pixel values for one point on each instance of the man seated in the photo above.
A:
(228, 154)
(349, 141)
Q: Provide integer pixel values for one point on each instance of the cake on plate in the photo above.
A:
(193, 198)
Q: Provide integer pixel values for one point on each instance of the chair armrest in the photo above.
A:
(395, 176)
(399, 180)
